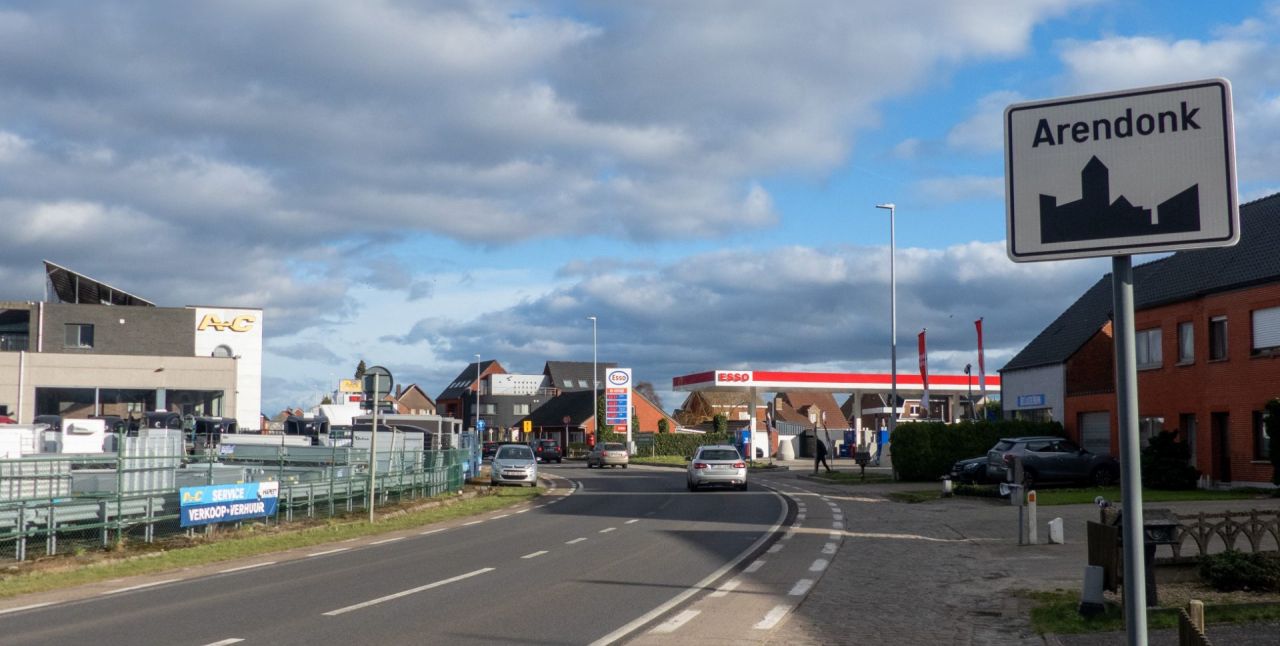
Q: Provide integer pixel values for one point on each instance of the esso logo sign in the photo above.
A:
(733, 377)
(619, 378)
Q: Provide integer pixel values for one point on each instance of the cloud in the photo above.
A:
(796, 307)
(960, 189)
(983, 131)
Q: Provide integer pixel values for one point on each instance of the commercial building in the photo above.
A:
(92, 349)
(1207, 328)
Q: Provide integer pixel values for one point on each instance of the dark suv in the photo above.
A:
(488, 449)
(547, 450)
(1050, 459)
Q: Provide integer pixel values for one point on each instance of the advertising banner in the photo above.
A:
(228, 503)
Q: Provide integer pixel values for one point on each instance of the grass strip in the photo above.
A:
(912, 497)
(251, 540)
(1056, 612)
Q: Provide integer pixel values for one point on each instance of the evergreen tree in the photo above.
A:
(360, 368)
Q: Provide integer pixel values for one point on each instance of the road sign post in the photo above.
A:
(377, 384)
(1137, 171)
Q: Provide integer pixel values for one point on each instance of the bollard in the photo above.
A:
(1055, 532)
(1091, 599)
(946, 487)
(1032, 538)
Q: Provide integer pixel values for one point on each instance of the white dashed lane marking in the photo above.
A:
(607, 530)
(633, 520)
(534, 554)
(387, 540)
(246, 567)
(140, 586)
(755, 565)
(829, 548)
(431, 531)
(474, 522)
(801, 587)
(332, 551)
(819, 565)
(673, 624)
(772, 618)
(576, 540)
(405, 593)
(729, 586)
(775, 548)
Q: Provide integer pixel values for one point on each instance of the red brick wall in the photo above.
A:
(1237, 386)
(1091, 370)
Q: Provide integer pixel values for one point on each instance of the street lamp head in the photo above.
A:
(591, 318)
(889, 205)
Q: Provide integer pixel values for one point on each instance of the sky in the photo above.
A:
(414, 183)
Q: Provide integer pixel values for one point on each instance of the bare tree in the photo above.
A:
(645, 388)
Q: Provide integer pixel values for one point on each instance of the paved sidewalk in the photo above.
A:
(940, 572)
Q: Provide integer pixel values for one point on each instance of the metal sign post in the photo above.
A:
(1137, 171)
(377, 384)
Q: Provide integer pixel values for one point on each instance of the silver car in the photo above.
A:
(611, 454)
(717, 464)
(514, 463)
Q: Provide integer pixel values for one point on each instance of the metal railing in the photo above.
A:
(54, 504)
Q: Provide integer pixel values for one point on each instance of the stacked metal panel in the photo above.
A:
(150, 460)
(34, 479)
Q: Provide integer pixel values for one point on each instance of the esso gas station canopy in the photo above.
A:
(832, 382)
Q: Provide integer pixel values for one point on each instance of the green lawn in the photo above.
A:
(1056, 612)
(252, 540)
(667, 460)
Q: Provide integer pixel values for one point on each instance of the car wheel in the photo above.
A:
(624, 466)
(1102, 477)
(690, 485)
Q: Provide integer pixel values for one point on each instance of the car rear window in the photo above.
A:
(550, 443)
(719, 454)
(1003, 445)
(515, 453)
(614, 446)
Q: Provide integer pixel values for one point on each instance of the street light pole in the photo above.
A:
(595, 395)
(968, 377)
(477, 413)
(893, 326)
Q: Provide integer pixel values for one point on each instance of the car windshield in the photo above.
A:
(515, 453)
(719, 454)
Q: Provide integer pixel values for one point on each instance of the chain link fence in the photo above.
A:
(58, 504)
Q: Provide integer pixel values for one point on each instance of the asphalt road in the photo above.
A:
(623, 548)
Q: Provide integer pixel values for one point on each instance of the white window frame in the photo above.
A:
(1186, 342)
(1226, 339)
(1266, 330)
(1148, 346)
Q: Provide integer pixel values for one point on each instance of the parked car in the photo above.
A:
(608, 454)
(488, 449)
(1048, 459)
(514, 463)
(717, 464)
(971, 471)
(547, 450)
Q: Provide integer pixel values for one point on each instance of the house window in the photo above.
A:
(1217, 338)
(488, 409)
(1266, 330)
(1186, 342)
(1148, 348)
(520, 409)
(79, 335)
(1149, 427)
(1261, 441)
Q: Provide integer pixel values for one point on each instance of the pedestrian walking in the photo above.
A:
(820, 456)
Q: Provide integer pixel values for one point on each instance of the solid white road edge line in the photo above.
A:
(332, 551)
(636, 623)
(673, 624)
(387, 540)
(246, 567)
(405, 593)
(30, 607)
(772, 618)
(141, 586)
(431, 531)
(474, 522)
(500, 516)
(226, 642)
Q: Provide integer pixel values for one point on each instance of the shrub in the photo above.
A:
(663, 425)
(1164, 463)
(926, 450)
(1236, 570)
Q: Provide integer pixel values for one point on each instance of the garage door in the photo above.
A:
(1095, 432)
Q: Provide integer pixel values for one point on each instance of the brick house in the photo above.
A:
(1207, 328)
(412, 400)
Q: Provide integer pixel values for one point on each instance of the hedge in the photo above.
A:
(926, 450)
(681, 444)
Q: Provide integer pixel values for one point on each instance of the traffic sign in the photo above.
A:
(480, 425)
(527, 425)
(1137, 171)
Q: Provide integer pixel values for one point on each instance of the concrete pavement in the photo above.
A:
(940, 572)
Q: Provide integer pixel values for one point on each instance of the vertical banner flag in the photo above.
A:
(982, 366)
(924, 373)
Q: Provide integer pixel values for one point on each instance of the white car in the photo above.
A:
(717, 464)
(514, 463)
